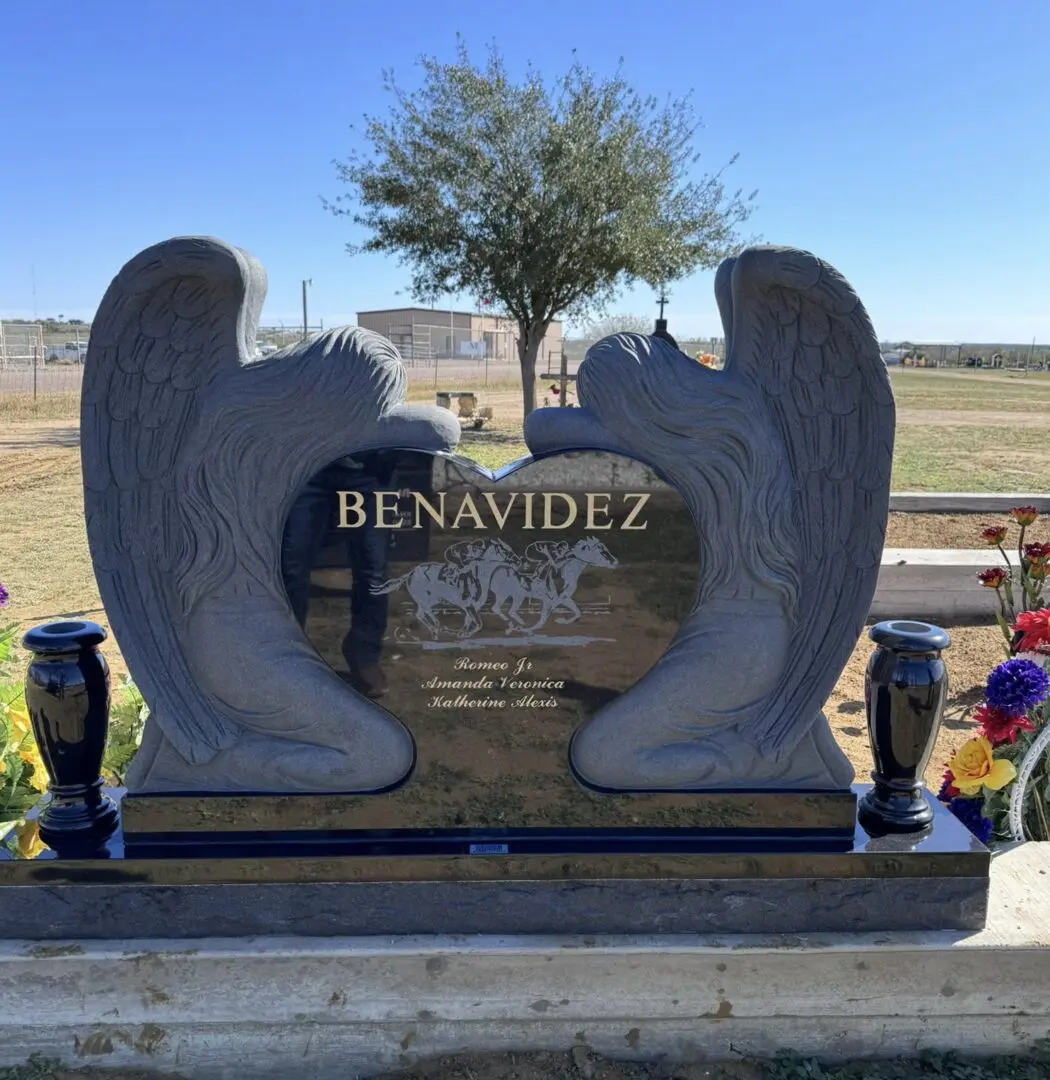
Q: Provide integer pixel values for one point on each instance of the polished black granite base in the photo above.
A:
(937, 880)
(149, 820)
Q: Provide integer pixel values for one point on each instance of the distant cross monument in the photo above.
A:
(661, 322)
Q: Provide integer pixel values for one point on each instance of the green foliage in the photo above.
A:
(541, 200)
(618, 324)
(19, 765)
(127, 717)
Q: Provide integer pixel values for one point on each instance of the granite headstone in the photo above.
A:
(391, 691)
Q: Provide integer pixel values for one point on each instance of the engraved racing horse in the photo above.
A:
(550, 575)
(461, 582)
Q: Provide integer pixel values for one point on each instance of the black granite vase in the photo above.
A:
(905, 688)
(67, 695)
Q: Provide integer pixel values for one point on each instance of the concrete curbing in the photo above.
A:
(964, 502)
(934, 584)
(356, 1006)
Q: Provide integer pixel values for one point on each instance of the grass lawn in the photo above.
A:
(968, 391)
(960, 457)
(971, 431)
(955, 432)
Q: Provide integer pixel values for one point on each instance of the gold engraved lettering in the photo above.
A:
(468, 515)
(468, 509)
(346, 506)
(593, 508)
(438, 515)
(382, 509)
(548, 504)
(501, 522)
(642, 500)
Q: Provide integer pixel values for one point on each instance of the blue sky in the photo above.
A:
(905, 142)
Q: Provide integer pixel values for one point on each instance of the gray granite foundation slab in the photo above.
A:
(797, 905)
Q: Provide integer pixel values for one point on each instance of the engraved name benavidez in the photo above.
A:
(595, 510)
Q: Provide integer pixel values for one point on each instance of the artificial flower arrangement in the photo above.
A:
(23, 778)
(981, 780)
(570, 397)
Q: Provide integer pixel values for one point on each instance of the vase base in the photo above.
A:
(66, 826)
(894, 812)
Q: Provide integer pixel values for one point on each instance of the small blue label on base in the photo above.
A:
(490, 849)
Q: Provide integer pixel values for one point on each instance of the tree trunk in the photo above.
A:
(530, 338)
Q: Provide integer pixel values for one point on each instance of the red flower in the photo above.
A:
(1036, 627)
(993, 534)
(1035, 552)
(948, 788)
(1024, 515)
(992, 578)
(999, 727)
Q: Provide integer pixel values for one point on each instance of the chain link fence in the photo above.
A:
(38, 360)
(41, 360)
(46, 359)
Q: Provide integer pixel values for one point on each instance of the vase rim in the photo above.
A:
(910, 635)
(62, 636)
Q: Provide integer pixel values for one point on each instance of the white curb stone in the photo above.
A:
(935, 584)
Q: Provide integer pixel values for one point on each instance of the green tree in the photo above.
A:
(542, 201)
(608, 325)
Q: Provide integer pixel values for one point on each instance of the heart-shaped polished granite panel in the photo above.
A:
(491, 614)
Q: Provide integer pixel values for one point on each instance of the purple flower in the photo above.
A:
(4, 595)
(968, 811)
(1016, 685)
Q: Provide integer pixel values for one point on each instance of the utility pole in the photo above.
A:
(306, 324)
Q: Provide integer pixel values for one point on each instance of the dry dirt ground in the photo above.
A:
(952, 531)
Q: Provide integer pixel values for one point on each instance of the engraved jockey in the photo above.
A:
(459, 558)
(549, 555)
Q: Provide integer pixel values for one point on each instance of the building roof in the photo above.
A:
(406, 310)
(445, 312)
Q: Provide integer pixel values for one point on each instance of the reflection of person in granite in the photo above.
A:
(367, 550)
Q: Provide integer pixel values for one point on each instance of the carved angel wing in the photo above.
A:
(193, 455)
(174, 320)
(798, 335)
(783, 459)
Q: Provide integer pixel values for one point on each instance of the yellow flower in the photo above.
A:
(973, 767)
(19, 717)
(27, 836)
(38, 779)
